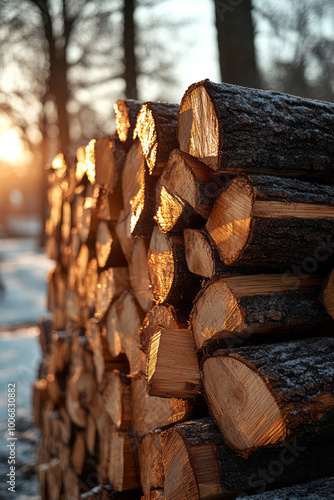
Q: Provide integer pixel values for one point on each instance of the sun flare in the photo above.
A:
(11, 148)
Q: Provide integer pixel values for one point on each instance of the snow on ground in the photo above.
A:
(23, 271)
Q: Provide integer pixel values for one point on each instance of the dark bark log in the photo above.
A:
(169, 275)
(212, 465)
(262, 397)
(239, 129)
(126, 116)
(268, 221)
(156, 130)
(239, 307)
(322, 488)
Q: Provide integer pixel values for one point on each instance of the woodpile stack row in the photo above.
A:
(190, 354)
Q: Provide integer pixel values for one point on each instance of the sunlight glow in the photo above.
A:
(11, 147)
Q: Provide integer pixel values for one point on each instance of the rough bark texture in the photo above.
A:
(295, 461)
(316, 490)
(269, 131)
(156, 130)
(300, 376)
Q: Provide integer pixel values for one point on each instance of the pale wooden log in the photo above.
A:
(53, 480)
(111, 283)
(238, 129)
(87, 218)
(264, 396)
(138, 192)
(109, 205)
(126, 116)
(151, 413)
(150, 462)
(78, 452)
(165, 315)
(90, 434)
(154, 495)
(123, 233)
(170, 278)
(122, 470)
(192, 181)
(172, 213)
(116, 395)
(70, 484)
(107, 247)
(156, 130)
(172, 369)
(39, 399)
(90, 284)
(138, 271)
(260, 220)
(241, 308)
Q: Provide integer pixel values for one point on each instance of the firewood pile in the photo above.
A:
(190, 353)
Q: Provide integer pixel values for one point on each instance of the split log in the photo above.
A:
(122, 470)
(105, 158)
(126, 116)
(80, 270)
(107, 247)
(90, 285)
(70, 483)
(78, 452)
(264, 396)
(172, 213)
(169, 275)
(198, 464)
(202, 257)
(238, 307)
(138, 270)
(262, 220)
(87, 218)
(322, 488)
(166, 316)
(150, 462)
(138, 192)
(123, 233)
(116, 395)
(156, 130)
(151, 413)
(192, 181)
(239, 129)
(327, 295)
(80, 171)
(109, 205)
(172, 369)
(90, 434)
(111, 283)
(39, 399)
(154, 495)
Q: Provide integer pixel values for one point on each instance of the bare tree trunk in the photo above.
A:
(130, 62)
(235, 33)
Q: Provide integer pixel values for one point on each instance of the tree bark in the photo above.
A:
(129, 43)
(237, 129)
(264, 396)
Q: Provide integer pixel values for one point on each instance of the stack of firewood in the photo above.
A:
(190, 354)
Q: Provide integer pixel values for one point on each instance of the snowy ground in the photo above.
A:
(23, 271)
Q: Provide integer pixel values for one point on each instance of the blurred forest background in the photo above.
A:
(65, 62)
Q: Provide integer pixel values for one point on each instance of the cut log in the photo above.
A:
(172, 369)
(193, 181)
(90, 434)
(156, 130)
(239, 129)
(87, 215)
(138, 270)
(122, 470)
(172, 213)
(262, 220)
(90, 284)
(78, 452)
(165, 315)
(202, 257)
(154, 495)
(70, 483)
(327, 295)
(138, 192)
(170, 278)
(126, 116)
(109, 205)
(40, 394)
(111, 283)
(150, 462)
(106, 161)
(261, 397)
(151, 413)
(123, 233)
(107, 247)
(237, 308)
(116, 395)
(199, 464)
